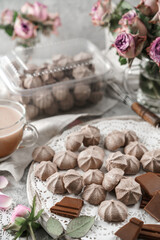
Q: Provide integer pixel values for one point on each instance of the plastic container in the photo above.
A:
(56, 78)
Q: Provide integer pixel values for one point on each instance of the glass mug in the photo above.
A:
(15, 132)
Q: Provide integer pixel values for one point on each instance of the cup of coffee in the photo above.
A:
(13, 128)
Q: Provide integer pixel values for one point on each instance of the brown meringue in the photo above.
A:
(81, 72)
(57, 58)
(65, 160)
(133, 165)
(136, 149)
(45, 170)
(82, 56)
(91, 135)
(114, 140)
(74, 141)
(151, 161)
(128, 191)
(82, 91)
(43, 99)
(96, 96)
(112, 178)
(91, 158)
(57, 74)
(32, 82)
(93, 176)
(67, 103)
(60, 92)
(116, 160)
(31, 111)
(43, 153)
(112, 211)
(94, 194)
(52, 110)
(73, 181)
(55, 183)
(130, 136)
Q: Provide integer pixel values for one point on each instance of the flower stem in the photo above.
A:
(31, 232)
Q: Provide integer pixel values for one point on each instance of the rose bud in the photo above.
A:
(128, 45)
(24, 28)
(20, 211)
(100, 12)
(40, 11)
(154, 51)
(148, 7)
(27, 9)
(54, 21)
(132, 21)
(7, 16)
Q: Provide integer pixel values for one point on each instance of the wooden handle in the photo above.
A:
(146, 114)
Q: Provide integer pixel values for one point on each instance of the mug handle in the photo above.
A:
(30, 136)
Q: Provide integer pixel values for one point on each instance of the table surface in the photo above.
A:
(17, 190)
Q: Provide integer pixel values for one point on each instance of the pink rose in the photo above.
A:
(128, 45)
(7, 16)
(24, 28)
(156, 18)
(40, 11)
(20, 211)
(132, 21)
(100, 12)
(148, 7)
(154, 51)
(54, 21)
(27, 9)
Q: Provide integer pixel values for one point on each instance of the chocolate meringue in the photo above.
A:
(128, 191)
(67, 103)
(136, 149)
(116, 160)
(112, 178)
(133, 165)
(82, 56)
(31, 111)
(82, 91)
(130, 136)
(43, 99)
(32, 82)
(81, 72)
(114, 140)
(73, 181)
(94, 194)
(52, 110)
(96, 96)
(60, 92)
(31, 68)
(43, 153)
(112, 211)
(74, 141)
(91, 158)
(45, 170)
(57, 74)
(57, 58)
(91, 135)
(55, 183)
(65, 160)
(151, 161)
(93, 176)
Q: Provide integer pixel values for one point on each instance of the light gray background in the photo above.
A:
(76, 21)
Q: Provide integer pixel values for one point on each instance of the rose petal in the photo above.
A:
(5, 201)
(3, 182)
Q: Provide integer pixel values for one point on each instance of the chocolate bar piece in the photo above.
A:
(153, 206)
(149, 182)
(145, 199)
(150, 232)
(68, 207)
(131, 230)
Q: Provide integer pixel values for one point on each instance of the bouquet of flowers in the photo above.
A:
(137, 29)
(31, 19)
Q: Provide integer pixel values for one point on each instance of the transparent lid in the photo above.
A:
(52, 59)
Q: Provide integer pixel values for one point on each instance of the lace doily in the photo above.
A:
(147, 134)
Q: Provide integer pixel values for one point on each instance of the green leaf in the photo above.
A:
(122, 60)
(38, 215)
(31, 216)
(54, 227)
(19, 221)
(35, 225)
(20, 232)
(15, 16)
(78, 227)
(9, 30)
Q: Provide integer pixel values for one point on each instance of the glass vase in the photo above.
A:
(149, 85)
